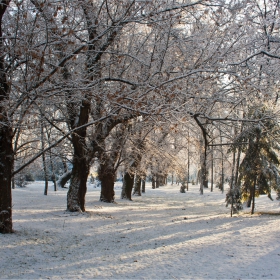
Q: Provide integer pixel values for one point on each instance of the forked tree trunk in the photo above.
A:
(6, 148)
(127, 186)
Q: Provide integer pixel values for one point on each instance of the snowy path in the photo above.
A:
(162, 235)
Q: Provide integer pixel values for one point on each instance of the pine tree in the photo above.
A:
(258, 171)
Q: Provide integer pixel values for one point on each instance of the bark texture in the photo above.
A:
(106, 176)
(6, 137)
(137, 185)
(78, 183)
(127, 186)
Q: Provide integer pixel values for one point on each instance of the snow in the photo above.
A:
(164, 234)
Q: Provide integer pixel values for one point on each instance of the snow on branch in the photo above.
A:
(255, 54)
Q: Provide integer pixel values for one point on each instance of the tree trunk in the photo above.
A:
(44, 157)
(253, 195)
(212, 169)
(6, 160)
(78, 185)
(157, 180)
(222, 167)
(223, 175)
(53, 177)
(45, 174)
(6, 137)
(127, 186)
(137, 185)
(249, 200)
(153, 182)
(188, 170)
(53, 174)
(106, 175)
(16, 140)
(203, 173)
(143, 185)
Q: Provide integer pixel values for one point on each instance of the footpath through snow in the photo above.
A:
(162, 235)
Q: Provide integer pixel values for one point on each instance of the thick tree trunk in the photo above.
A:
(78, 185)
(137, 185)
(106, 175)
(6, 148)
(127, 186)
(6, 161)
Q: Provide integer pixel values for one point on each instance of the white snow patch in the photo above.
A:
(164, 234)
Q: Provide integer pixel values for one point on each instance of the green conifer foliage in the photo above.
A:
(258, 171)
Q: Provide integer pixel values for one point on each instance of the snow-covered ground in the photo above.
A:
(162, 235)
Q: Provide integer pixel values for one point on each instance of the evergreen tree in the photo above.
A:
(258, 171)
